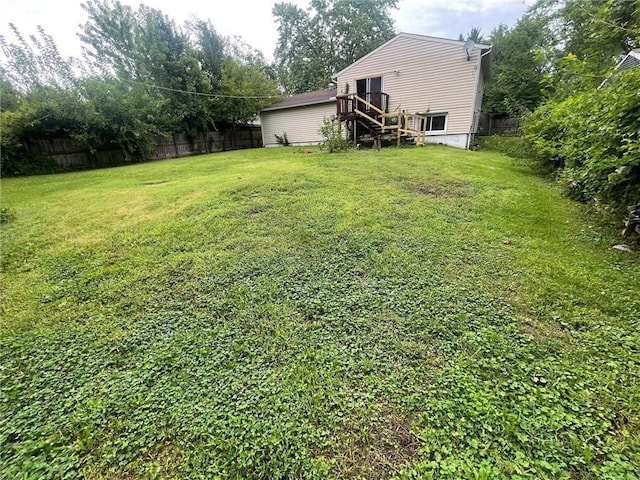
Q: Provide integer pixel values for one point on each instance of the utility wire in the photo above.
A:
(600, 20)
(200, 94)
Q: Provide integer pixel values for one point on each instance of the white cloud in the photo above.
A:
(449, 18)
(252, 19)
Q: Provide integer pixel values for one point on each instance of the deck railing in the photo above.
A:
(374, 109)
(371, 103)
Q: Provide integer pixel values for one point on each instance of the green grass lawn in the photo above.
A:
(409, 313)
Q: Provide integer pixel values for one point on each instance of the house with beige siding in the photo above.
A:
(416, 87)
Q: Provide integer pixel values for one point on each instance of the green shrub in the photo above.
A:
(334, 140)
(26, 164)
(592, 140)
(14, 159)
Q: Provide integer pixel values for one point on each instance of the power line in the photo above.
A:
(620, 27)
(200, 94)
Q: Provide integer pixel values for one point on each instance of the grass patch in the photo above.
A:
(271, 314)
(449, 190)
(515, 147)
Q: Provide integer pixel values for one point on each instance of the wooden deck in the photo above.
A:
(372, 112)
(372, 104)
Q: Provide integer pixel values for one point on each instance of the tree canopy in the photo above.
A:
(141, 76)
(548, 69)
(558, 48)
(329, 35)
(519, 69)
(474, 34)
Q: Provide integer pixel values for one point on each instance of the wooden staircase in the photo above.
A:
(376, 122)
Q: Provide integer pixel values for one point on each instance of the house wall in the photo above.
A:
(460, 140)
(302, 124)
(423, 75)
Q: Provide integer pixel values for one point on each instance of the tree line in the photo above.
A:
(140, 76)
(555, 69)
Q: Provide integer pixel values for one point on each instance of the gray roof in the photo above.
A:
(632, 59)
(302, 99)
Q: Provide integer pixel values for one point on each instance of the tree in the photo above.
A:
(590, 136)
(474, 34)
(209, 47)
(245, 90)
(247, 84)
(146, 46)
(592, 139)
(201, 74)
(56, 101)
(35, 62)
(590, 37)
(314, 44)
(129, 116)
(10, 97)
(142, 76)
(520, 67)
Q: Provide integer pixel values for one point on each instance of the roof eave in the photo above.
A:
(306, 104)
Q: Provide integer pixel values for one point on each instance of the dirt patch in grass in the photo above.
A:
(546, 330)
(380, 450)
(444, 191)
(155, 184)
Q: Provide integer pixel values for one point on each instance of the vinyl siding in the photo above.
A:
(431, 76)
(300, 123)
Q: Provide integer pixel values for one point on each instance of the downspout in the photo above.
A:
(262, 130)
(475, 94)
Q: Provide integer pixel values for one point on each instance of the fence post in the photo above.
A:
(175, 144)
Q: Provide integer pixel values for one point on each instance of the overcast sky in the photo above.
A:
(252, 19)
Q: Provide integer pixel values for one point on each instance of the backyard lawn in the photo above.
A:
(409, 313)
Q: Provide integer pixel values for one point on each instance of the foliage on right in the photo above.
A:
(593, 141)
(547, 70)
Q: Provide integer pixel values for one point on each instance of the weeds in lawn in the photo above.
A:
(270, 314)
(5, 215)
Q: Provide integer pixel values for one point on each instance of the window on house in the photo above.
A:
(433, 123)
(366, 85)
(436, 123)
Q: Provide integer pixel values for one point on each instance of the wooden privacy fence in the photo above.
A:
(70, 156)
(508, 126)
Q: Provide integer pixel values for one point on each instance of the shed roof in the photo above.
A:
(303, 99)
